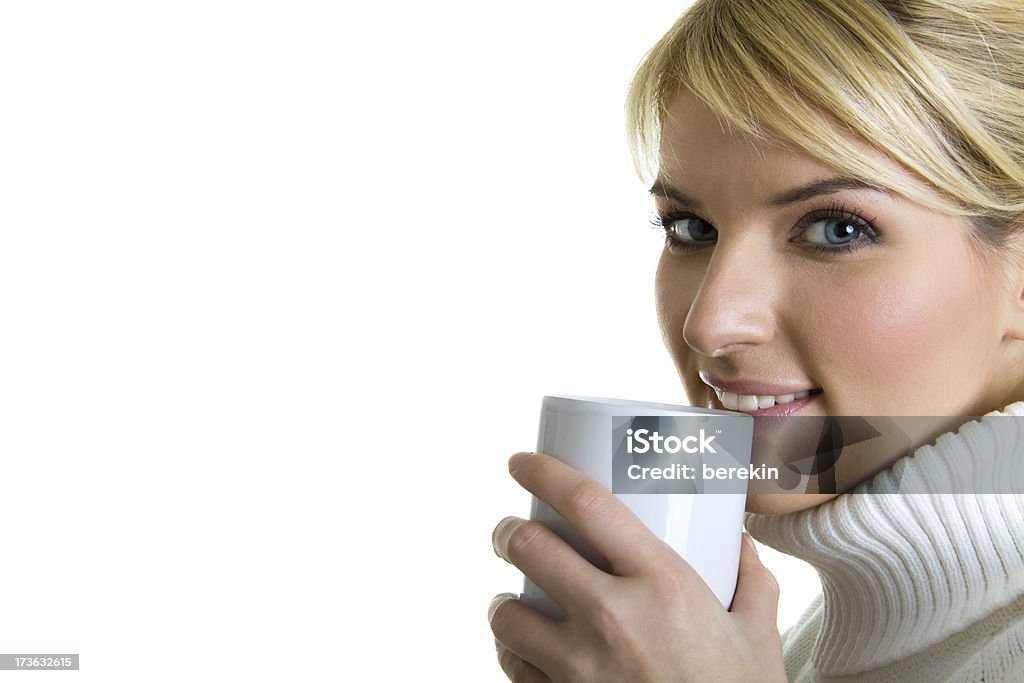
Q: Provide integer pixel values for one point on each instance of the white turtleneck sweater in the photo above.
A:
(915, 587)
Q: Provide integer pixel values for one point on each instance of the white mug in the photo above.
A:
(701, 519)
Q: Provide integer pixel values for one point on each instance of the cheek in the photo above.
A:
(672, 300)
(893, 336)
(675, 289)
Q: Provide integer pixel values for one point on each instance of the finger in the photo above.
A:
(518, 669)
(550, 562)
(527, 633)
(757, 591)
(596, 513)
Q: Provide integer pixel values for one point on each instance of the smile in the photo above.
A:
(758, 398)
(745, 403)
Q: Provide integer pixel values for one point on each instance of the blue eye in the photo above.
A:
(834, 230)
(692, 229)
(684, 232)
(837, 230)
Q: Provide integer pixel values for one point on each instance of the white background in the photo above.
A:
(282, 286)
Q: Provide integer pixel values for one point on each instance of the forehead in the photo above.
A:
(699, 149)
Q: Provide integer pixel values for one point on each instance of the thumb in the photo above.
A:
(757, 591)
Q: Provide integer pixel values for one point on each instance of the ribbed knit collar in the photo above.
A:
(900, 573)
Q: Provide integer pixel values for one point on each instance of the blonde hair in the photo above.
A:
(937, 85)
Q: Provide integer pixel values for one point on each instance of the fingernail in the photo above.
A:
(516, 460)
(750, 543)
(502, 532)
(496, 602)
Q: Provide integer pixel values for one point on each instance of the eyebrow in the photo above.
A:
(791, 196)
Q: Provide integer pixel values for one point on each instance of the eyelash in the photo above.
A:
(835, 211)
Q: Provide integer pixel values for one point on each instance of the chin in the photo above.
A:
(781, 503)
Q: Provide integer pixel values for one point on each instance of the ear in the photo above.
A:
(1015, 325)
(1015, 274)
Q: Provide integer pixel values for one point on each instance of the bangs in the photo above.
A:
(816, 78)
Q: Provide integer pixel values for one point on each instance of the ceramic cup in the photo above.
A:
(654, 457)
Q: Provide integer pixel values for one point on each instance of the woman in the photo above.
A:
(841, 187)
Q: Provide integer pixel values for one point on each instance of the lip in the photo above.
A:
(754, 388)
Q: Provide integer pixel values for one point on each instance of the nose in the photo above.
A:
(735, 306)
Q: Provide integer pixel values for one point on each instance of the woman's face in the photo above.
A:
(781, 277)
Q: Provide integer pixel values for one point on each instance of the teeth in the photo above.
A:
(746, 403)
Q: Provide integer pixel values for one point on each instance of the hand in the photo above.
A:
(652, 619)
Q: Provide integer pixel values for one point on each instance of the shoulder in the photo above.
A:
(990, 650)
(994, 647)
